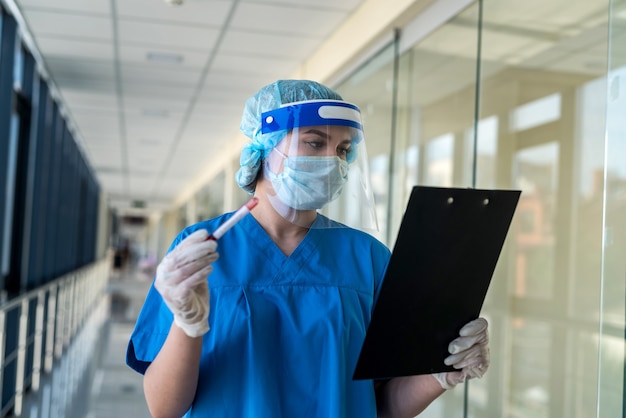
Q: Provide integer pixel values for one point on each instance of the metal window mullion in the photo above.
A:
(51, 329)
(21, 356)
(67, 311)
(71, 309)
(38, 339)
(60, 321)
(77, 303)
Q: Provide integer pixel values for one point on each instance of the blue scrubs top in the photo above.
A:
(286, 332)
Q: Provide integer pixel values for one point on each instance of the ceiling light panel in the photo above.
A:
(164, 58)
(139, 54)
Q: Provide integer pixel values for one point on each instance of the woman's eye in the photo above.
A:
(315, 144)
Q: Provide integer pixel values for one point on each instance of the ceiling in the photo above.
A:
(154, 91)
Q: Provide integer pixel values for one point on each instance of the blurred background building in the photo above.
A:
(119, 126)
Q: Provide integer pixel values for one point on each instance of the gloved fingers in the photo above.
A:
(170, 275)
(475, 372)
(196, 278)
(475, 327)
(177, 295)
(197, 236)
(461, 344)
(469, 362)
(190, 252)
(184, 272)
(478, 350)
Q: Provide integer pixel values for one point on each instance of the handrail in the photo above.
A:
(36, 328)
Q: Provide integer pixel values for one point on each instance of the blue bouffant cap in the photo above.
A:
(269, 98)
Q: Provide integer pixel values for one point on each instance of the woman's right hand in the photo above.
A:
(181, 279)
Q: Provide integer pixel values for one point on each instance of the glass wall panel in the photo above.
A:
(435, 122)
(435, 145)
(542, 86)
(371, 88)
(611, 385)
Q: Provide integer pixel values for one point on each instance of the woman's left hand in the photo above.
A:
(469, 353)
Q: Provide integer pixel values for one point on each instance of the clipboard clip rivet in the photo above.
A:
(450, 200)
(486, 202)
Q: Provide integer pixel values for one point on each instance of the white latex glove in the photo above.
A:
(469, 353)
(181, 279)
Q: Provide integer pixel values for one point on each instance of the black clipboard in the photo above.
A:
(445, 254)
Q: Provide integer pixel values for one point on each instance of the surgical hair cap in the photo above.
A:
(268, 98)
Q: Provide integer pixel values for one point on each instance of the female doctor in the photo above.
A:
(292, 293)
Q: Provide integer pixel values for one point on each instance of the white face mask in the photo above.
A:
(308, 183)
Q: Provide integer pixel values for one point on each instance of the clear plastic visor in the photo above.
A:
(320, 166)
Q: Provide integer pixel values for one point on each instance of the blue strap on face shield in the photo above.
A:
(315, 113)
(311, 113)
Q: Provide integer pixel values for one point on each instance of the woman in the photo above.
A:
(292, 292)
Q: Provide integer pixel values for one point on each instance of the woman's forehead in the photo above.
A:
(336, 132)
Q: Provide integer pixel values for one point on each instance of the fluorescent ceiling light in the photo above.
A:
(156, 113)
(165, 57)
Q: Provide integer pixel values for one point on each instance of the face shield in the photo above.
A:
(319, 165)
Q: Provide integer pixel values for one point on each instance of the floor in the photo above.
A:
(92, 380)
(116, 389)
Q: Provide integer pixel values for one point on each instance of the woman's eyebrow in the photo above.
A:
(326, 136)
(318, 132)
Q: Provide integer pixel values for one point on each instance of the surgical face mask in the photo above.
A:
(308, 183)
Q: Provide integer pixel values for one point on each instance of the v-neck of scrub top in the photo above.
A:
(273, 253)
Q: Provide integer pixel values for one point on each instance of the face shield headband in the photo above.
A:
(315, 113)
